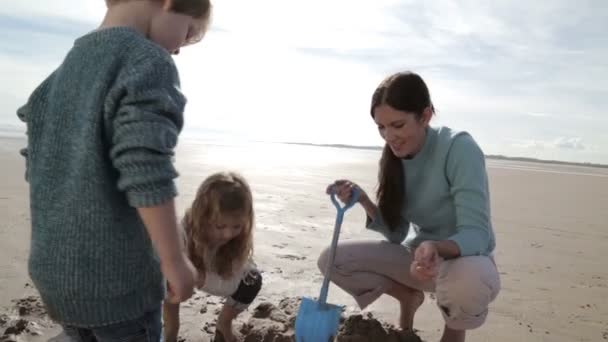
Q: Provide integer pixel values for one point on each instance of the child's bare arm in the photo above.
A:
(161, 224)
(171, 321)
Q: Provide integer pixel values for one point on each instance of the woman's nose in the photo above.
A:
(389, 135)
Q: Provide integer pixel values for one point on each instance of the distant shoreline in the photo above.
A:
(489, 156)
(13, 136)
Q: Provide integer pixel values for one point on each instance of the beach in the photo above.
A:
(549, 220)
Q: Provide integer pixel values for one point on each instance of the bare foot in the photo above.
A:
(410, 300)
(225, 334)
(451, 335)
(409, 306)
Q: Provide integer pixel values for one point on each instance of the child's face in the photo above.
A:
(173, 30)
(226, 228)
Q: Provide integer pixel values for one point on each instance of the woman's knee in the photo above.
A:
(323, 260)
(465, 288)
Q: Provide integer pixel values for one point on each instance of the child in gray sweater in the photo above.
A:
(101, 130)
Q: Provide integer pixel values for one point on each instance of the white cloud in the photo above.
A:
(539, 115)
(91, 11)
(571, 143)
(534, 144)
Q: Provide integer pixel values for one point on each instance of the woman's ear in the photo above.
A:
(427, 114)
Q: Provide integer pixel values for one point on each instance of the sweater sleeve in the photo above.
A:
(23, 113)
(144, 130)
(466, 173)
(377, 224)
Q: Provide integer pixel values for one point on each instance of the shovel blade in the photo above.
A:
(316, 322)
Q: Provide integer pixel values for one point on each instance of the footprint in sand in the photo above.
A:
(19, 327)
(291, 257)
(208, 328)
(599, 282)
(31, 305)
(529, 326)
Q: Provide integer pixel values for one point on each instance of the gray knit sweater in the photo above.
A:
(101, 133)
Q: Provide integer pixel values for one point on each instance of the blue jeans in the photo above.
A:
(147, 328)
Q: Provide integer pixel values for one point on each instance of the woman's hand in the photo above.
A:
(344, 190)
(426, 261)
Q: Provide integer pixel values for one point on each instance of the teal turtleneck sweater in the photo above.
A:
(447, 195)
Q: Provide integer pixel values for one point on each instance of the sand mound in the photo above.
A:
(358, 328)
(26, 318)
(270, 323)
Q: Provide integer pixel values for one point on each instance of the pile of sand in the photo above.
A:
(270, 323)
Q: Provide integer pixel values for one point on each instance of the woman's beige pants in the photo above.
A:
(464, 287)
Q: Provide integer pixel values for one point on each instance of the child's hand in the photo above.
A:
(181, 277)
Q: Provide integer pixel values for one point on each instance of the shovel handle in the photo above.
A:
(334, 242)
(353, 199)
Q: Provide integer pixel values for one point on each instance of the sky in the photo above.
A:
(523, 78)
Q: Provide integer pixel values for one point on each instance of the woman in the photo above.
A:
(433, 181)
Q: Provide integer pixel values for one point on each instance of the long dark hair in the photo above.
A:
(404, 91)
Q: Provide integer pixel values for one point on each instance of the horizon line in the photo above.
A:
(489, 156)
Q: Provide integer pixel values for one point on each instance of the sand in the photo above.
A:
(271, 322)
(268, 322)
(550, 223)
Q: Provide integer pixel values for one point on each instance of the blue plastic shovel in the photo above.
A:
(318, 321)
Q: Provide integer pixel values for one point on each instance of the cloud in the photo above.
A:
(572, 143)
(539, 115)
(530, 144)
(91, 11)
(569, 143)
